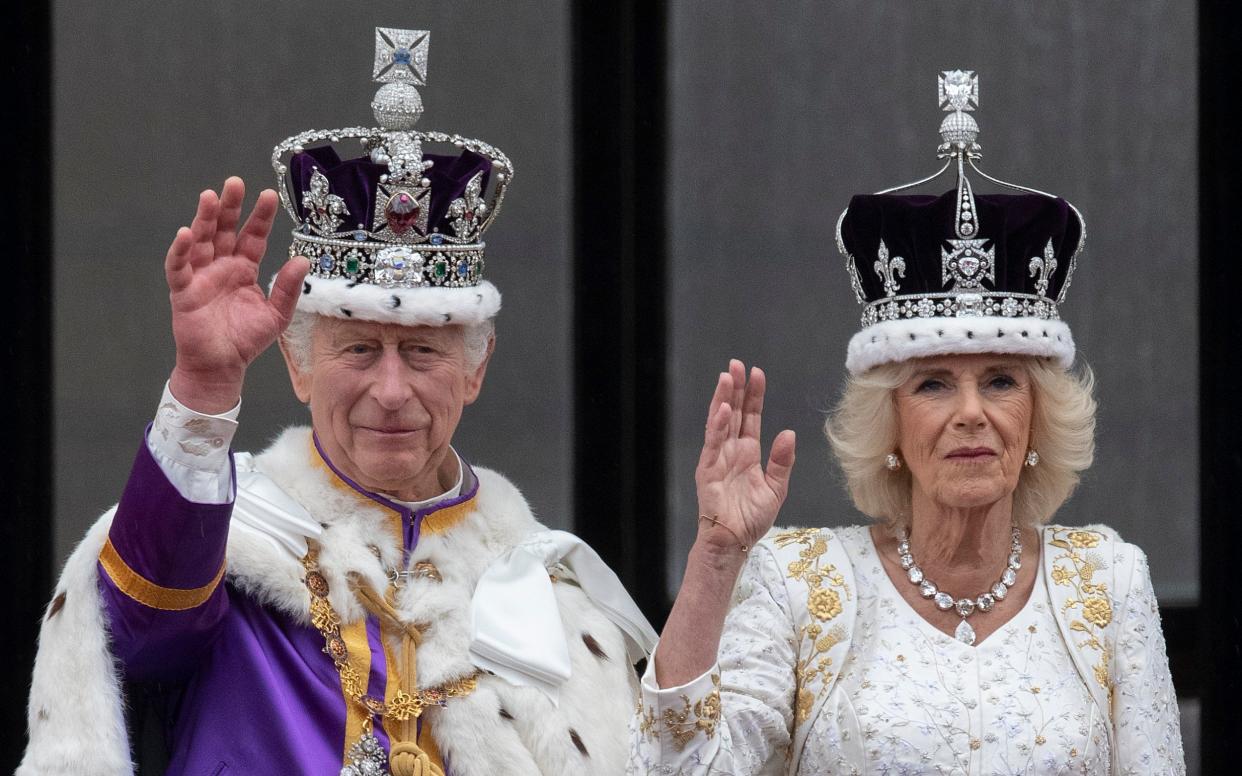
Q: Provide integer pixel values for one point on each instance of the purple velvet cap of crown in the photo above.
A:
(357, 180)
(916, 227)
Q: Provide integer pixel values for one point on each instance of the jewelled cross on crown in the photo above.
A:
(967, 262)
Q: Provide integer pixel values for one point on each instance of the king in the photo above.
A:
(356, 599)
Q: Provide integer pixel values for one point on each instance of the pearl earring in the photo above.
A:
(892, 462)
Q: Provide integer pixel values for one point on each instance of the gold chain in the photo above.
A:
(404, 706)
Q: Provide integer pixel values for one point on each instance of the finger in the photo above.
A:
(288, 287)
(231, 196)
(177, 270)
(204, 229)
(252, 241)
(715, 435)
(780, 463)
(737, 370)
(752, 406)
(724, 389)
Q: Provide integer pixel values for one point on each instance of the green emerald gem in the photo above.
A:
(351, 265)
(441, 269)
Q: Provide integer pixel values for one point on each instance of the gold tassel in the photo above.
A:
(406, 757)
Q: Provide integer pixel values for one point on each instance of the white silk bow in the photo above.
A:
(515, 623)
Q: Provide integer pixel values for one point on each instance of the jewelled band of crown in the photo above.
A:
(1000, 304)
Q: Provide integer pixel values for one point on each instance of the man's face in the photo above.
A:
(385, 400)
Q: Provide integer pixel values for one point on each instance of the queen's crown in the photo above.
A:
(394, 217)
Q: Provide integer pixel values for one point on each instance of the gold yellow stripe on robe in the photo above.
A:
(359, 659)
(146, 592)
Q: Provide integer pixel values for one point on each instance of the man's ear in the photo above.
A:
(474, 382)
(300, 379)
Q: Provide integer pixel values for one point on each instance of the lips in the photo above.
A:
(972, 453)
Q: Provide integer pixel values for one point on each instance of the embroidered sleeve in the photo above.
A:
(736, 718)
(1145, 714)
(192, 449)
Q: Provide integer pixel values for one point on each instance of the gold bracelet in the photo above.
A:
(712, 519)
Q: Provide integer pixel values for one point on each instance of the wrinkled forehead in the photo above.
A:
(968, 363)
(332, 329)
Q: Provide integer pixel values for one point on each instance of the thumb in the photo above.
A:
(780, 463)
(288, 287)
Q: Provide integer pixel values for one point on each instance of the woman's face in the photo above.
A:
(964, 425)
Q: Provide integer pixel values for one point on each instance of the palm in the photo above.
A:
(221, 318)
(733, 485)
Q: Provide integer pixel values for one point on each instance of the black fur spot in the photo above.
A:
(347, 312)
(478, 299)
(504, 713)
(970, 335)
(447, 317)
(305, 287)
(396, 301)
(1000, 332)
(912, 337)
(1025, 334)
(577, 739)
(57, 604)
(594, 647)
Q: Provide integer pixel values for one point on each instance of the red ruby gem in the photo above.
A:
(469, 215)
(401, 213)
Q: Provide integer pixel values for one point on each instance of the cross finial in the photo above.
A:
(958, 90)
(401, 56)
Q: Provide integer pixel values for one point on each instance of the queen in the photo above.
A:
(961, 630)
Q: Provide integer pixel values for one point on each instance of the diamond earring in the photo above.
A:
(892, 462)
(1032, 458)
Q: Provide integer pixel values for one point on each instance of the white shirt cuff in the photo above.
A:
(192, 449)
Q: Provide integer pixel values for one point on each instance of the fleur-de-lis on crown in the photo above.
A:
(324, 210)
(469, 209)
(1042, 269)
(889, 269)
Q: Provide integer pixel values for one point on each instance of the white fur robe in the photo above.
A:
(76, 711)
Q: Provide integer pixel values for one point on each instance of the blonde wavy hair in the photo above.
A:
(863, 430)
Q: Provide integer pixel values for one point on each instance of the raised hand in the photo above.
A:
(734, 489)
(221, 318)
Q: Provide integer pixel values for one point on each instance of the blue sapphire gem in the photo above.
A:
(326, 261)
(401, 56)
(437, 239)
(360, 235)
(463, 269)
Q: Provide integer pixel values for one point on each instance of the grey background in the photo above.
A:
(156, 101)
(781, 111)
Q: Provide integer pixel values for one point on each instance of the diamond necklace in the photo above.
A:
(965, 606)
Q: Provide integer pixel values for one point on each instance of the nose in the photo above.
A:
(969, 415)
(390, 386)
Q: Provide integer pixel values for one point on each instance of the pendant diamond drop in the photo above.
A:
(965, 633)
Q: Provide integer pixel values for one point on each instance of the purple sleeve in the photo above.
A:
(160, 575)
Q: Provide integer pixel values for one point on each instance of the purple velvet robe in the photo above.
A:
(245, 689)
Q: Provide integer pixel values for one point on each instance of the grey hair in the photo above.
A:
(300, 333)
(863, 430)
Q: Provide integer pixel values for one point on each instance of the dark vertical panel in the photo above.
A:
(25, 368)
(1220, 164)
(619, 290)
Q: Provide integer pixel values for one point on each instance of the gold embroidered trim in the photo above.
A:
(683, 724)
(402, 706)
(825, 586)
(1075, 567)
(146, 592)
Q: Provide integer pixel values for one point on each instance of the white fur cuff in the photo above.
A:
(899, 340)
(434, 306)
